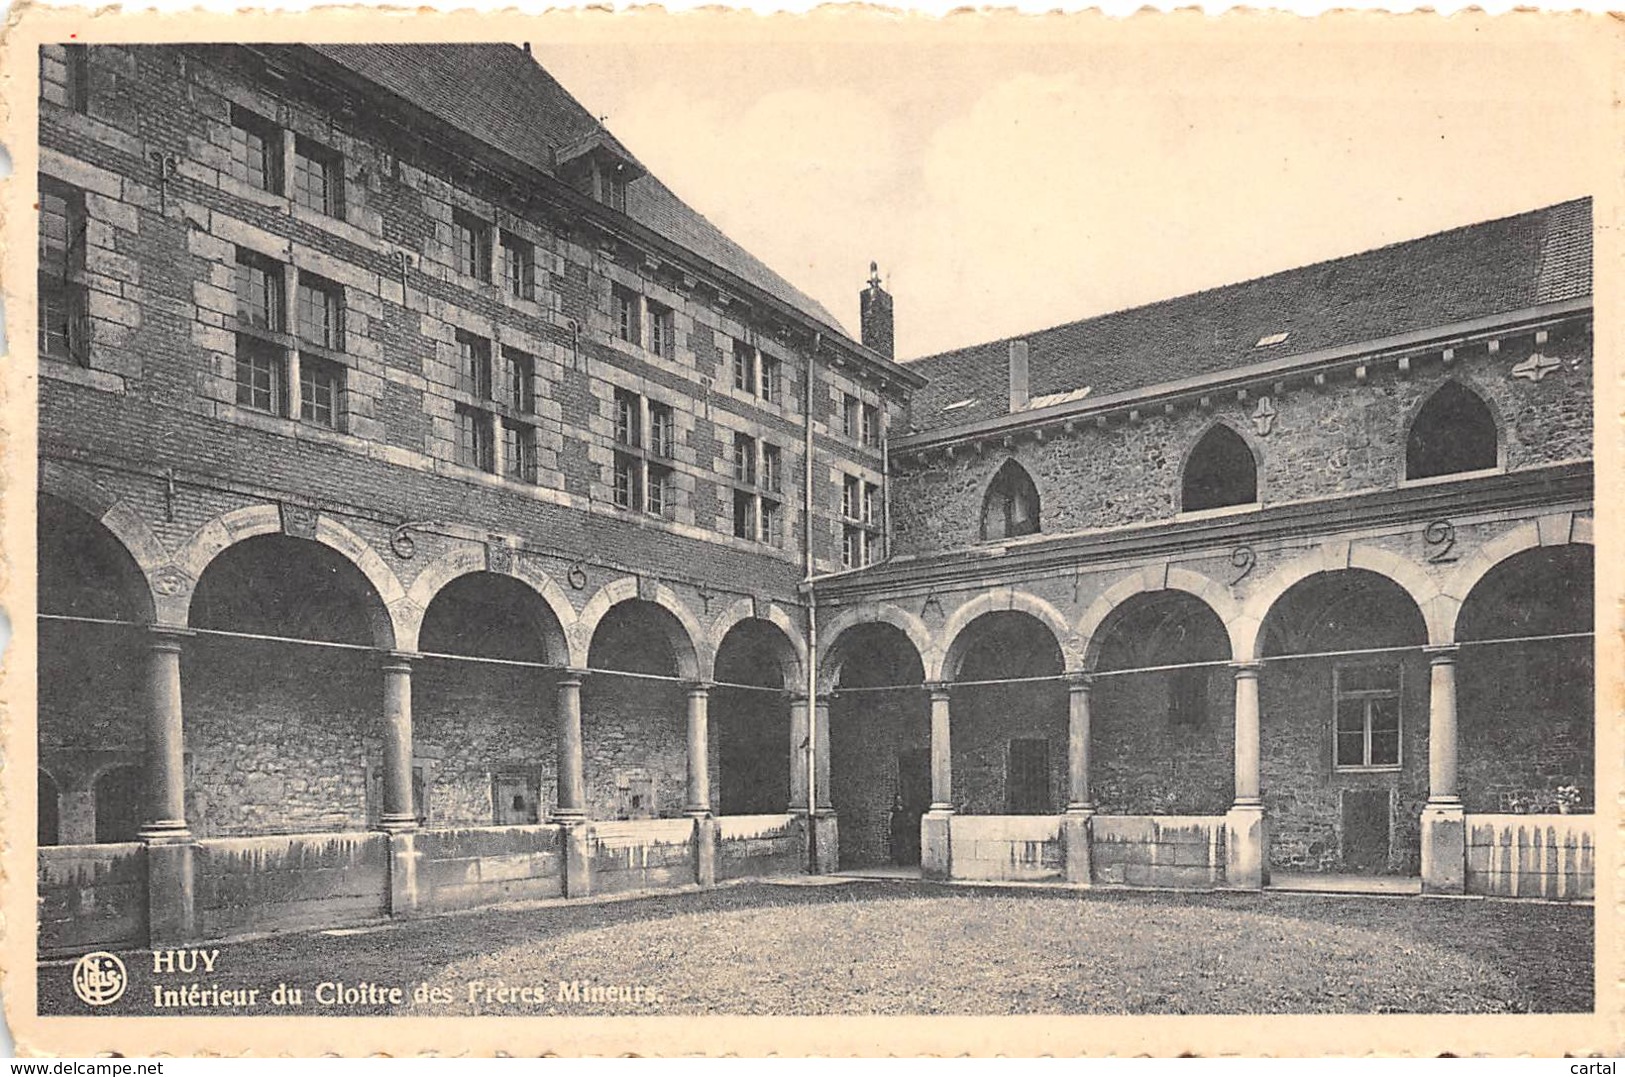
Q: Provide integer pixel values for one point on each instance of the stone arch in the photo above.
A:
(869, 613)
(1556, 529)
(122, 522)
(395, 621)
(744, 610)
(1438, 611)
(1006, 598)
(1414, 413)
(1250, 442)
(1156, 578)
(691, 648)
(466, 559)
(1012, 490)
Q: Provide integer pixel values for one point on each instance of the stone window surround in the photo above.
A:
(293, 345)
(1397, 694)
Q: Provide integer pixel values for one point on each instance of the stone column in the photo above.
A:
(821, 754)
(1444, 819)
(1076, 826)
(399, 814)
(571, 810)
(571, 769)
(170, 902)
(936, 827)
(825, 835)
(800, 744)
(699, 784)
(1246, 838)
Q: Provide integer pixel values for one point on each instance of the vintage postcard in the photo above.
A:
(981, 534)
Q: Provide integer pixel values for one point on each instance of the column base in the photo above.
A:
(824, 843)
(403, 872)
(936, 844)
(171, 906)
(1077, 839)
(397, 824)
(707, 834)
(1444, 848)
(577, 858)
(1246, 847)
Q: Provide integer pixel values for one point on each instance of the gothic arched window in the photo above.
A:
(1219, 472)
(1011, 507)
(1454, 432)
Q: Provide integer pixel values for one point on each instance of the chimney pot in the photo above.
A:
(1019, 389)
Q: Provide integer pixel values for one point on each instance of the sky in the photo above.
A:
(1008, 176)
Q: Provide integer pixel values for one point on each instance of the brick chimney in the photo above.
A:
(1019, 389)
(875, 307)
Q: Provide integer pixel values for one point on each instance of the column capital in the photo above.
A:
(168, 637)
(1441, 653)
(397, 661)
(938, 689)
(569, 675)
(822, 699)
(797, 697)
(1246, 670)
(1080, 680)
(700, 688)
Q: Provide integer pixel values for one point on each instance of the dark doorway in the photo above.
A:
(118, 804)
(1365, 831)
(49, 813)
(1027, 785)
(913, 798)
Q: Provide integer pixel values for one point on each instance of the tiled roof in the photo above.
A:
(1480, 270)
(500, 95)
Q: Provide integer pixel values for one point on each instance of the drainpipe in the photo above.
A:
(885, 480)
(812, 607)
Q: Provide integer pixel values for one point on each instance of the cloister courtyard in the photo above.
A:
(902, 947)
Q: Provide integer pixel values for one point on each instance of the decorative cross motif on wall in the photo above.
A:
(1264, 416)
(1536, 367)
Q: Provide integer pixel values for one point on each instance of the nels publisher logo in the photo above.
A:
(99, 978)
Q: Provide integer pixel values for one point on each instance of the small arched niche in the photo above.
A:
(1454, 432)
(1011, 506)
(1219, 473)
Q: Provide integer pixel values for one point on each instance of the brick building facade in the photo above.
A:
(434, 510)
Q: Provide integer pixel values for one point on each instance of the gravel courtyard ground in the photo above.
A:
(916, 948)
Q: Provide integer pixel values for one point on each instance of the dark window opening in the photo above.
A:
(1454, 432)
(1026, 789)
(1187, 697)
(118, 804)
(1221, 472)
(1011, 506)
(50, 812)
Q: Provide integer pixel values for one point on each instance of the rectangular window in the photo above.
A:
(612, 186)
(321, 305)
(662, 330)
(628, 314)
(871, 503)
(474, 365)
(260, 372)
(744, 367)
(662, 490)
(521, 396)
(256, 150)
(628, 419)
(1366, 704)
(662, 429)
(745, 459)
(259, 291)
(744, 515)
(474, 439)
(519, 266)
(321, 391)
(851, 497)
(772, 380)
(851, 421)
(772, 467)
(772, 522)
(1026, 787)
(519, 451)
(318, 178)
(64, 75)
(628, 481)
(852, 542)
(871, 425)
(473, 239)
(63, 302)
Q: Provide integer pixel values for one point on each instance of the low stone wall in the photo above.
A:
(1541, 856)
(477, 866)
(754, 846)
(1006, 847)
(1158, 850)
(92, 897)
(289, 881)
(644, 854)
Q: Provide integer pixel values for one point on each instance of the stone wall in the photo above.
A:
(472, 723)
(91, 897)
(1543, 856)
(289, 882)
(867, 732)
(650, 854)
(1024, 848)
(480, 866)
(754, 846)
(1148, 763)
(1175, 851)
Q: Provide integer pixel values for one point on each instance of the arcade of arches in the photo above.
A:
(1344, 734)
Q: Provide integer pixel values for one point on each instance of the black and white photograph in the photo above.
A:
(649, 516)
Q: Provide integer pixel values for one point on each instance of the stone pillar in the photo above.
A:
(825, 838)
(171, 916)
(821, 754)
(936, 826)
(1246, 837)
(699, 750)
(399, 816)
(1444, 819)
(1076, 826)
(571, 810)
(800, 744)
